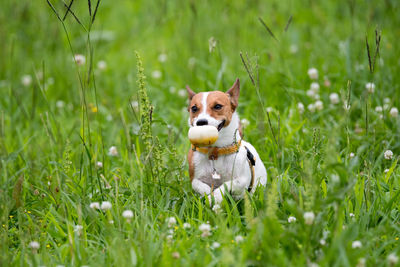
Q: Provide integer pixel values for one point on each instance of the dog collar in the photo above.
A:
(214, 152)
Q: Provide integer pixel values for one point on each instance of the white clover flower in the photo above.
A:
(245, 122)
(182, 93)
(322, 242)
(300, 107)
(99, 164)
(112, 151)
(293, 49)
(80, 59)
(60, 104)
(386, 170)
(111, 221)
(315, 87)
(356, 244)
(101, 65)
(205, 228)
(388, 154)
(334, 98)
(393, 259)
(394, 112)
(95, 205)
(216, 208)
(106, 205)
(319, 105)
(386, 100)
(351, 155)
(370, 88)
(186, 226)
(351, 215)
(34, 245)
(311, 108)
(239, 239)
(127, 214)
(162, 58)
(269, 109)
(309, 217)
(169, 238)
(312, 73)
(26, 80)
(109, 117)
(310, 93)
(378, 109)
(291, 219)
(215, 245)
(170, 231)
(171, 221)
(156, 74)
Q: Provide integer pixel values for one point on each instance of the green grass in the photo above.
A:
(55, 129)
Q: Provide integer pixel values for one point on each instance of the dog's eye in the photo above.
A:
(217, 107)
(194, 109)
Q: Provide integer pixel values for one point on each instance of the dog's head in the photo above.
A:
(213, 108)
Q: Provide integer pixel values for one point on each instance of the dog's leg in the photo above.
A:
(235, 186)
(200, 187)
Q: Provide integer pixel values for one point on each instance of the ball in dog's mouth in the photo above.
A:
(203, 135)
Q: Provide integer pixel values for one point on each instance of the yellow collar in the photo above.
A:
(214, 152)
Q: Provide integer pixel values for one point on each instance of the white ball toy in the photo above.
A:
(203, 135)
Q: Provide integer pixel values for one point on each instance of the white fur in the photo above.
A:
(234, 168)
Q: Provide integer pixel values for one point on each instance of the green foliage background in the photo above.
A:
(54, 130)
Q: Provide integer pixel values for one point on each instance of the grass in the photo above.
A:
(56, 127)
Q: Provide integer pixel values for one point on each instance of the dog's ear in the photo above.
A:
(234, 93)
(190, 92)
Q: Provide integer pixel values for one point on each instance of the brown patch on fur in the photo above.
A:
(225, 113)
(234, 94)
(195, 101)
(191, 94)
(191, 164)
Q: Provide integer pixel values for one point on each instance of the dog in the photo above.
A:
(230, 164)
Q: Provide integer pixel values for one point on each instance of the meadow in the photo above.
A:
(93, 132)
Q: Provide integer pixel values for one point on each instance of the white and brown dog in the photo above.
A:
(230, 163)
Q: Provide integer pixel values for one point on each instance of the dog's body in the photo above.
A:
(236, 172)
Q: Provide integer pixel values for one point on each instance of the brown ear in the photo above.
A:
(191, 94)
(234, 93)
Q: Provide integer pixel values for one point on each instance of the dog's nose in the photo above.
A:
(202, 122)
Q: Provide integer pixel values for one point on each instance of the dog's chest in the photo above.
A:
(224, 166)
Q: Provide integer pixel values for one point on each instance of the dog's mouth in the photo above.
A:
(221, 125)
